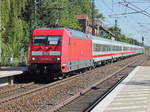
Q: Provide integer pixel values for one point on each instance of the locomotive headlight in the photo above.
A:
(57, 59)
(33, 59)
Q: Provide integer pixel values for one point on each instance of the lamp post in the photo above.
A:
(0, 38)
(116, 23)
(93, 2)
(35, 14)
(0, 46)
(142, 41)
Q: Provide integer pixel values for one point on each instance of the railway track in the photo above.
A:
(17, 91)
(96, 92)
(147, 63)
(53, 95)
(120, 76)
(36, 90)
(13, 88)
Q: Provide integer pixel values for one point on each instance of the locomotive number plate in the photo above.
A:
(46, 53)
(45, 58)
(54, 53)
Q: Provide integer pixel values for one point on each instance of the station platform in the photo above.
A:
(131, 95)
(7, 74)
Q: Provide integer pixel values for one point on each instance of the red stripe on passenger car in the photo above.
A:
(105, 55)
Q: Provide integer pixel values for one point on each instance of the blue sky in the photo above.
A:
(133, 25)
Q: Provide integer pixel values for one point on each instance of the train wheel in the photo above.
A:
(94, 66)
(61, 76)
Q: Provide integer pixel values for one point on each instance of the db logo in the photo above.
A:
(45, 53)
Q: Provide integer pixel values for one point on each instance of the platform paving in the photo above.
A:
(11, 71)
(132, 95)
(7, 74)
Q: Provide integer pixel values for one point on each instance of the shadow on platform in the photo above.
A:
(13, 69)
(140, 83)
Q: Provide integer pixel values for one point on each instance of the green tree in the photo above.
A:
(119, 36)
(15, 28)
(59, 12)
(19, 17)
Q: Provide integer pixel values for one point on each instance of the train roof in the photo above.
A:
(74, 33)
(80, 34)
(113, 41)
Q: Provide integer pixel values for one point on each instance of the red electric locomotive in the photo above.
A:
(59, 50)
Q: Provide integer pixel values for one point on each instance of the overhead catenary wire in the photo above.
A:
(133, 22)
(134, 7)
(138, 7)
(143, 12)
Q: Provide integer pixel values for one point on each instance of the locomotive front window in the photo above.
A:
(46, 40)
(53, 40)
(40, 40)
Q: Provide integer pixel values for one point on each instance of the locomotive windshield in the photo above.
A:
(46, 40)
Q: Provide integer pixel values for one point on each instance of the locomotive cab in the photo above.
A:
(45, 51)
